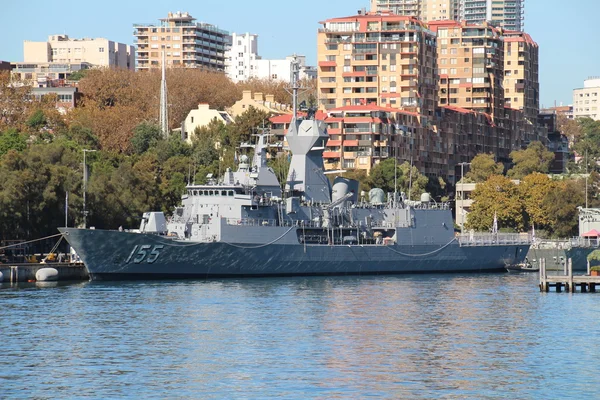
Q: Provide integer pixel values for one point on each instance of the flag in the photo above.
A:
(533, 232)
(495, 226)
(235, 159)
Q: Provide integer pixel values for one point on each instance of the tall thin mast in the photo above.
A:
(164, 116)
(295, 85)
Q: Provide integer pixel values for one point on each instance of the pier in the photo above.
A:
(27, 272)
(567, 280)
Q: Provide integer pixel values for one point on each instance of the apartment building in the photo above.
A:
(508, 14)
(425, 10)
(241, 56)
(362, 136)
(242, 62)
(377, 58)
(586, 100)
(471, 67)
(566, 111)
(185, 42)
(62, 49)
(521, 80)
(46, 74)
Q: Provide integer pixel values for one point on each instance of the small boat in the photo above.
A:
(525, 266)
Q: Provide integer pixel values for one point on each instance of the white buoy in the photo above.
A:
(1, 276)
(46, 274)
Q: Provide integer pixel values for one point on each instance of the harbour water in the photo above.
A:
(419, 337)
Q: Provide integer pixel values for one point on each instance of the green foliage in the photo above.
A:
(247, 123)
(145, 136)
(280, 165)
(536, 158)
(12, 140)
(594, 256)
(498, 195)
(83, 137)
(382, 176)
(78, 75)
(562, 204)
(534, 189)
(483, 166)
(37, 120)
(587, 144)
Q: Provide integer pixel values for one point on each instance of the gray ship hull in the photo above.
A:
(115, 255)
(556, 258)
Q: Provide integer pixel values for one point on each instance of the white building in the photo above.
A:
(242, 62)
(241, 56)
(586, 100)
(97, 52)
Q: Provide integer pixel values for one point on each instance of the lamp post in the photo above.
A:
(462, 196)
(85, 178)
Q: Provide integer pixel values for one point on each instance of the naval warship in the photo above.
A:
(244, 224)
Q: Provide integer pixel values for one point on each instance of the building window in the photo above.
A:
(101, 49)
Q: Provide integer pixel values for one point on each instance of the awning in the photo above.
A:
(592, 233)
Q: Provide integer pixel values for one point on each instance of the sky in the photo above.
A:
(565, 31)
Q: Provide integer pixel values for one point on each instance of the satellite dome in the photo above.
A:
(244, 158)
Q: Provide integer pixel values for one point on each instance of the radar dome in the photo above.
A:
(244, 158)
(376, 196)
(343, 186)
(425, 198)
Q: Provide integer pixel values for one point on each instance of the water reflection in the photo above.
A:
(466, 336)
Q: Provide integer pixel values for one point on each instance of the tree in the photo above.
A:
(497, 196)
(483, 166)
(12, 140)
(281, 166)
(382, 176)
(562, 204)
(569, 128)
(145, 136)
(37, 120)
(246, 124)
(534, 189)
(536, 158)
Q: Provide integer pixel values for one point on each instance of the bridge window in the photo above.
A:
(223, 192)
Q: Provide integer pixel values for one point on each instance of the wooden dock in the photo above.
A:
(567, 280)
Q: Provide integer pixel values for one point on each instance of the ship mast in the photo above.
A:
(164, 116)
(294, 87)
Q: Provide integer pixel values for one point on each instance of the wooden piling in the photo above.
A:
(567, 281)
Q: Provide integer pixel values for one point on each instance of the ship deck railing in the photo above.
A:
(565, 244)
(492, 239)
(306, 224)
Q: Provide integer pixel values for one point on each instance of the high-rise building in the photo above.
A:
(64, 50)
(521, 82)
(377, 58)
(507, 14)
(471, 67)
(242, 62)
(240, 57)
(586, 100)
(425, 10)
(186, 43)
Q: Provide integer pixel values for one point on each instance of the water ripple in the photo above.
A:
(420, 337)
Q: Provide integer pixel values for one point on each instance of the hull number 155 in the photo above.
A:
(145, 252)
